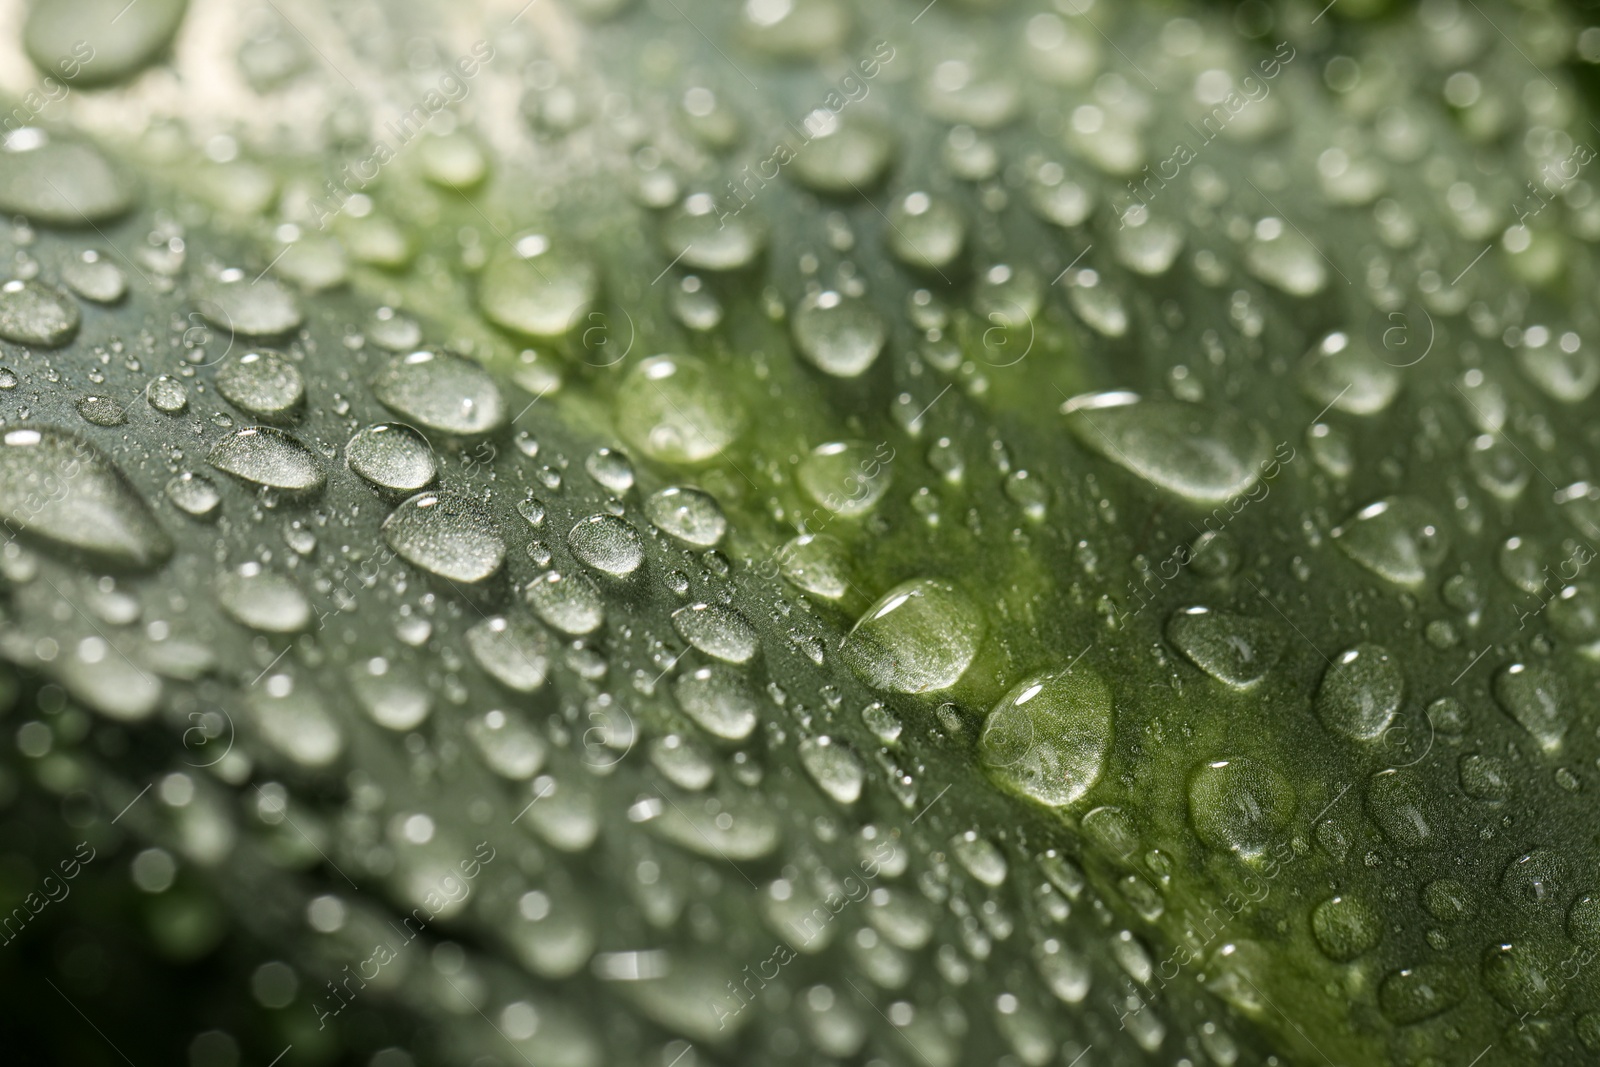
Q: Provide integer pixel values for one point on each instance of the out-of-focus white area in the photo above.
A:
(204, 87)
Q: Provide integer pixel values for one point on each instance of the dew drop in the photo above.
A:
(446, 534)
(920, 637)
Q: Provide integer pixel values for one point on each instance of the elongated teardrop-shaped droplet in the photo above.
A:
(446, 534)
(62, 490)
(267, 456)
(1196, 452)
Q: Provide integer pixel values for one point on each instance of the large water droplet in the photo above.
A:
(60, 489)
(392, 456)
(264, 384)
(1398, 539)
(536, 289)
(672, 409)
(607, 544)
(925, 231)
(920, 637)
(515, 652)
(98, 42)
(690, 515)
(1239, 805)
(391, 694)
(838, 334)
(1280, 256)
(1360, 693)
(446, 534)
(267, 456)
(845, 152)
(259, 308)
(442, 393)
(818, 564)
(568, 602)
(1199, 453)
(717, 631)
(1537, 698)
(1417, 993)
(56, 181)
(1400, 807)
(35, 314)
(262, 600)
(1345, 927)
(1342, 372)
(1234, 649)
(1048, 737)
(702, 237)
(831, 765)
(846, 477)
(719, 702)
(294, 720)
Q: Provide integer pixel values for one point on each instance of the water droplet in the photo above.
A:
(846, 477)
(840, 335)
(536, 288)
(1233, 649)
(569, 603)
(35, 314)
(392, 456)
(1536, 697)
(1195, 452)
(267, 456)
(1401, 809)
(1564, 369)
(701, 237)
(1048, 737)
(1527, 977)
(59, 182)
(607, 544)
(167, 395)
(516, 653)
(1484, 777)
(846, 152)
(718, 701)
(925, 231)
(262, 600)
(260, 308)
(1345, 928)
(674, 410)
(94, 277)
(1150, 246)
(1239, 805)
(817, 564)
(1342, 372)
(264, 384)
(1398, 539)
(294, 721)
(836, 772)
(1280, 256)
(690, 515)
(61, 489)
(719, 632)
(1417, 993)
(1360, 693)
(195, 494)
(981, 858)
(611, 469)
(920, 637)
(102, 411)
(443, 393)
(507, 745)
(122, 40)
(391, 694)
(446, 534)
(453, 160)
